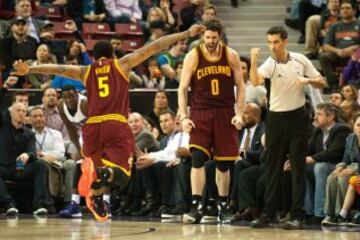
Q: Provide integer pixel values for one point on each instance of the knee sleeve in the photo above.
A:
(198, 158)
(223, 166)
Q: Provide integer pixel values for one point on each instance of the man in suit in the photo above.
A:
(23, 9)
(325, 150)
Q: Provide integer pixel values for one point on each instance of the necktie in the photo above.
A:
(247, 140)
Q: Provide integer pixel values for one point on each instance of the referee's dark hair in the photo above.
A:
(103, 48)
(278, 30)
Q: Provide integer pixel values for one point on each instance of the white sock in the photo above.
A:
(344, 213)
(75, 198)
(106, 198)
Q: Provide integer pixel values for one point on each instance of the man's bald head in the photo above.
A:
(136, 123)
(18, 112)
(252, 115)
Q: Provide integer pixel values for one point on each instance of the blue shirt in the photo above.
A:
(59, 82)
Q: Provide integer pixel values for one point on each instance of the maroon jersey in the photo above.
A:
(107, 91)
(212, 82)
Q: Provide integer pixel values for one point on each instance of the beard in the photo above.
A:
(211, 47)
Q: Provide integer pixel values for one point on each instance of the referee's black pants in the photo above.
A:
(286, 138)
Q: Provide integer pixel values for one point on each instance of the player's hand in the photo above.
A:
(302, 81)
(187, 125)
(255, 53)
(20, 68)
(196, 29)
(237, 121)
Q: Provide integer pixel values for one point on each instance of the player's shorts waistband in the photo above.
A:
(107, 117)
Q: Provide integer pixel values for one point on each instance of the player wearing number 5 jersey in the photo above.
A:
(211, 70)
(108, 140)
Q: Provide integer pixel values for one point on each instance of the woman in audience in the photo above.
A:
(161, 103)
(338, 181)
(171, 17)
(152, 78)
(78, 49)
(349, 92)
(43, 56)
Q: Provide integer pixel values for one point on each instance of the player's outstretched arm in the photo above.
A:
(69, 71)
(129, 61)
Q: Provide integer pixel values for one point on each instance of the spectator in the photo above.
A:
(123, 11)
(50, 146)
(340, 43)
(191, 14)
(168, 62)
(157, 29)
(53, 120)
(349, 92)
(161, 103)
(170, 15)
(23, 9)
(78, 49)
(317, 27)
(351, 73)
(153, 78)
(117, 43)
(338, 181)
(325, 150)
(143, 138)
(17, 46)
(43, 56)
(59, 82)
(18, 160)
(350, 108)
(58, 46)
(93, 11)
(336, 98)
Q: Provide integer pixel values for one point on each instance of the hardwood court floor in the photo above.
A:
(55, 228)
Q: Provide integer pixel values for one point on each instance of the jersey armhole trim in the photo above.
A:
(120, 70)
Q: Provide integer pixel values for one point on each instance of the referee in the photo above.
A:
(287, 123)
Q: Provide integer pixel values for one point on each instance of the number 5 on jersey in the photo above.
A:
(103, 86)
(215, 87)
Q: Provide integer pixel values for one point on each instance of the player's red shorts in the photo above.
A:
(109, 143)
(214, 133)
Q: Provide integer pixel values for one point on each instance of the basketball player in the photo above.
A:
(108, 140)
(211, 69)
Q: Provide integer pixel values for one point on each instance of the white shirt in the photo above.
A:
(79, 118)
(252, 131)
(32, 30)
(285, 94)
(50, 142)
(180, 139)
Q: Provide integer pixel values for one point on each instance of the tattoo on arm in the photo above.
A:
(147, 51)
(68, 71)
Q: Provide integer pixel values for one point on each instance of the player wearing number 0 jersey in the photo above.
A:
(212, 105)
(211, 70)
